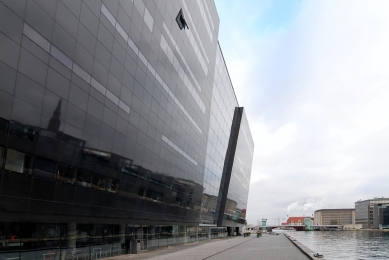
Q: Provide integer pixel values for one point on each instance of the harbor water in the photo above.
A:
(346, 244)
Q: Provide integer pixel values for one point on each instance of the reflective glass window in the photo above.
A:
(18, 162)
(118, 239)
(3, 125)
(149, 193)
(76, 240)
(102, 161)
(157, 196)
(23, 132)
(36, 37)
(99, 182)
(59, 55)
(112, 185)
(88, 157)
(141, 192)
(84, 178)
(100, 241)
(9, 240)
(44, 168)
(124, 165)
(66, 174)
(2, 149)
(40, 241)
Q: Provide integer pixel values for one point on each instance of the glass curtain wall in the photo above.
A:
(50, 241)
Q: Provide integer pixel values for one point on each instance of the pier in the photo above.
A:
(267, 247)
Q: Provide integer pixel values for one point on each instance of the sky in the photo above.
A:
(313, 77)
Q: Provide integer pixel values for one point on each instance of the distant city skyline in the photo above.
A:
(313, 78)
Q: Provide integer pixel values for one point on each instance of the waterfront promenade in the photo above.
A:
(267, 247)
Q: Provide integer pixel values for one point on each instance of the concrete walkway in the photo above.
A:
(267, 247)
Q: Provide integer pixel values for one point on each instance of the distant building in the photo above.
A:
(308, 222)
(334, 217)
(294, 221)
(372, 213)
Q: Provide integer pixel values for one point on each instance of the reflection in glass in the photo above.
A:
(102, 161)
(4, 125)
(124, 165)
(40, 241)
(66, 174)
(84, 178)
(18, 162)
(112, 185)
(23, 132)
(118, 239)
(100, 241)
(75, 241)
(9, 240)
(2, 149)
(99, 157)
(59, 55)
(44, 168)
(130, 236)
(152, 241)
(141, 192)
(99, 182)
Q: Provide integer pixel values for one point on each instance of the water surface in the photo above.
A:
(346, 244)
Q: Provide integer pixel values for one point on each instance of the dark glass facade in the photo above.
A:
(114, 127)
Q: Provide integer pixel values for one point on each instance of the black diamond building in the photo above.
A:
(119, 129)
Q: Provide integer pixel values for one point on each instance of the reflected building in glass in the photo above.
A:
(119, 129)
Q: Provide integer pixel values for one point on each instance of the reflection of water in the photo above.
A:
(346, 244)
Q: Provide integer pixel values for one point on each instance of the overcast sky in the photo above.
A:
(313, 77)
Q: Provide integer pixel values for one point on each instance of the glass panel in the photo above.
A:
(99, 182)
(18, 162)
(61, 57)
(161, 235)
(23, 132)
(40, 241)
(100, 241)
(144, 238)
(4, 125)
(2, 149)
(102, 161)
(112, 185)
(98, 86)
(191, 233)
(9, 240)
(140, 233)
(66, 174)
(171, 235)
(36, 37)
(118, 239)
(124, 165)
(44, 168)
(152, 241)
(112, 97)
(141, 192)
(130, 236)
(203, 233)
(88, 157)
(84, 178)
(82, 73)
(75, 241)
(180, 234)
(108, 14)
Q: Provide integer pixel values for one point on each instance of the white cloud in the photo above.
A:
(317, 97)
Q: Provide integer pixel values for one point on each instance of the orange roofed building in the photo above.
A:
(294, 221)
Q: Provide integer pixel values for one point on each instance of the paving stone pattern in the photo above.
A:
(267, 247)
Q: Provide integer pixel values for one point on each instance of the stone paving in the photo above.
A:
(267, 247)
